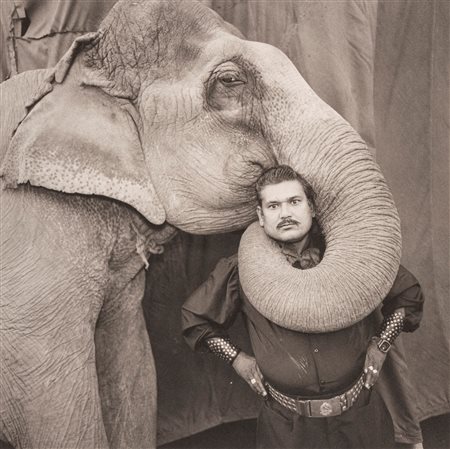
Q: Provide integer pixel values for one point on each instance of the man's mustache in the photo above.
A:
(286, 221)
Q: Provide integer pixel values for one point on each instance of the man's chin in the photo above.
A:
(292, 240)
(287, 236)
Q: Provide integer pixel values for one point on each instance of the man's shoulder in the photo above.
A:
(404, 279)
(226, 264)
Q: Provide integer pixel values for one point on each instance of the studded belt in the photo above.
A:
(319, 408)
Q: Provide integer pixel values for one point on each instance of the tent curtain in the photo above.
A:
(384, 67)
(411, 86)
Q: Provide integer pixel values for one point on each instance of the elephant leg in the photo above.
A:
(126, 371)
(51, 295)
(50, 394)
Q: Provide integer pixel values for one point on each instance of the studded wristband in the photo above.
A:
(223, 348)
(390, 329)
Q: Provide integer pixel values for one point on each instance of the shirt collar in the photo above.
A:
(290, 252)
(309, 257)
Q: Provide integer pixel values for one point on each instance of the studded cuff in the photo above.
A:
(223, 348)
(391, 327)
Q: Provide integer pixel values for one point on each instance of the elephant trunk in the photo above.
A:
(356, 212)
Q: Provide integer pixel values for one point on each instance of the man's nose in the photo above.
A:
(285, 210)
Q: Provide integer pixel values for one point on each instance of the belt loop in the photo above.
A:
(303, 408)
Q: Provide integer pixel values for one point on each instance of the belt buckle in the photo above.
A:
(326, 407)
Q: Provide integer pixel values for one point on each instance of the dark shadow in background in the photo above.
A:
(241, 435)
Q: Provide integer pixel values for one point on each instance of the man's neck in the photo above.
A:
(297, 247)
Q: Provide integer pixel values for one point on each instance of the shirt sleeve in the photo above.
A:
(212, 308)
(405, 292)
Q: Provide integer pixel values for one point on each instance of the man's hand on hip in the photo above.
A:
(373, 364)
(247, 368)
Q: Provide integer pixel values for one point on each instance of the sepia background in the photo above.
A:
(384, 66)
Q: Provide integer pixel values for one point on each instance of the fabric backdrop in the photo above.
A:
(385, 67)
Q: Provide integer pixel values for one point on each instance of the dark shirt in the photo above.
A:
(296, 363)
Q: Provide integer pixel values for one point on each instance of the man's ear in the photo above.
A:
(80, 140)
(260, 215)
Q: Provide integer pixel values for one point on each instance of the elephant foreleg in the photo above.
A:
(126, 371)
(49, 398)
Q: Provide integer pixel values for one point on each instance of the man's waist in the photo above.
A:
(310, 383)
(319, 407)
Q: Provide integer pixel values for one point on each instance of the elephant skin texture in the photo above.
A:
(162, 119)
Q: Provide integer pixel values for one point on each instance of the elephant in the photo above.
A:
(161, 120)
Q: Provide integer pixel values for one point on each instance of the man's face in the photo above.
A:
(285, 213)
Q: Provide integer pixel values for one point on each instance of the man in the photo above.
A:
(318, 387)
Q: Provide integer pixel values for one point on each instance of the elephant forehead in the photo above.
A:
(148, 37)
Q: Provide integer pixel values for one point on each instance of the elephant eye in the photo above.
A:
(230, 79)
(226, 90)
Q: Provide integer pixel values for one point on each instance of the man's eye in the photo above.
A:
(295, 202)
(272, 206)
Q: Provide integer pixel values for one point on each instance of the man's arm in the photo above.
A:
(207, 314)
(212, 307)
(402, 310)
(405, 293)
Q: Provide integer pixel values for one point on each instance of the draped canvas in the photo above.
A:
(411, 85)
(36, 33)
(384, 67)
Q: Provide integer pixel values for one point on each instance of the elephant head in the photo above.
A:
(168, 109)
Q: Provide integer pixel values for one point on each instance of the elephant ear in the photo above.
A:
(78, 139)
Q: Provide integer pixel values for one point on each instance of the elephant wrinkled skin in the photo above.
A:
(162, 119)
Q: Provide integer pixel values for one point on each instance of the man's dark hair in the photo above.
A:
(280, 173)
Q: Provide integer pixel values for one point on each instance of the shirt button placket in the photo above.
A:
(321, 381)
